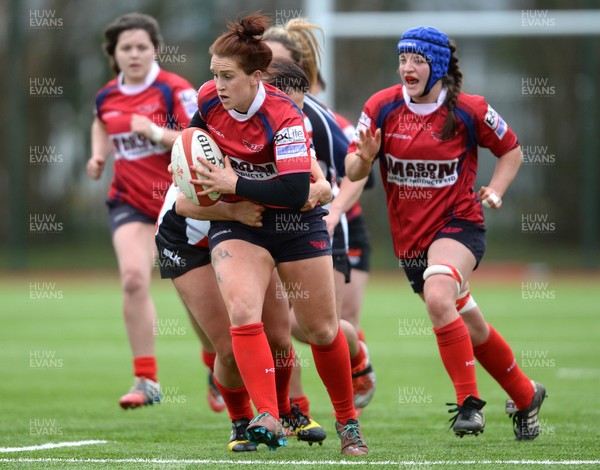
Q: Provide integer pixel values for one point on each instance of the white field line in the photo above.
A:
(308, 462)
(50, 445)
(571, 373)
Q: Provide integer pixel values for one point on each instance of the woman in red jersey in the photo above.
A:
(261, 132)
(425, 133)
(182, 243)
(138, 115)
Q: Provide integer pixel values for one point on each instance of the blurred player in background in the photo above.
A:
(296, 41)
(425, 133)
(262, 133)
(138, 115)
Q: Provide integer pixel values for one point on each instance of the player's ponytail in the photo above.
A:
(299, 38)
(453, 82)
(245, 43)
(249, 28)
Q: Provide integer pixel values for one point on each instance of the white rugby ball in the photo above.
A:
(192, 143)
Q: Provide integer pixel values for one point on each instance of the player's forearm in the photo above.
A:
(506, 170)
(356, 167)
(101, 145)
(321, 186)
(219, 211)
(348, 195)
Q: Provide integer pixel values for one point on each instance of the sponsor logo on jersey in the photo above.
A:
(422, 173)
(254, 171)
(147, 108)
(364, 120)
(290, 151)
(189, 100)
(111, 114)
(213, 130)
(364, 123)
(394, 135)
(495, 122)
(252, 147)
(133, 146)
(289, 135)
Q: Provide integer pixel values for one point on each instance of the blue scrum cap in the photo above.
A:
(431, 44)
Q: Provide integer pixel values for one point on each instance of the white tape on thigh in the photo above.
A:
(447, 270)
(465, 302)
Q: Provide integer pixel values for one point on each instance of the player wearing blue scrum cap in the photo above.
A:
(425, 133)
(431, 44)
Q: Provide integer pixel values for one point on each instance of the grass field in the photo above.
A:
(65, 362)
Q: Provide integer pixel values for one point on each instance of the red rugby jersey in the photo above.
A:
(427, 181)
(268, 141)
(140, 167)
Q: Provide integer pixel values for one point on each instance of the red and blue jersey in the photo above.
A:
(268, 141)
(140, 176)
(429, 181)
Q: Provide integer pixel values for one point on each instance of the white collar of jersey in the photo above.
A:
(135, 89)
(425, 108)
(259, 99)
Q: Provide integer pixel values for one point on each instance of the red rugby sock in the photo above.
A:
(303, 404)
(209, 359)
(361, 335)
(145, 366)
(237, 401)
(333, 365)
(359, 358)
(255, 363)
(283, 373)
(496, 356)
(456, 350)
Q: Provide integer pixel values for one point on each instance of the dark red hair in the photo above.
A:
(245, 44)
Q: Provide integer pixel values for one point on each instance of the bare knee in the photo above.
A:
(322, 334)
(242, 312)
(133, 282)
(279, 342)
(439, 305)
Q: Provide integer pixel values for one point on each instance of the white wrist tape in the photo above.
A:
(157, 133)
(494, 198)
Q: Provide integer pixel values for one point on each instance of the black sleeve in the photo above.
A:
(197, 121)
(286, 191)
